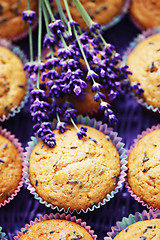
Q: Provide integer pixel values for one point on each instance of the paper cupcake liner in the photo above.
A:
(117, 142)
(57, 216)
(19, 148)
(144, 203)
(117, 18)
(2, 234)
(120, 225)
(140, 37)
(17, 51)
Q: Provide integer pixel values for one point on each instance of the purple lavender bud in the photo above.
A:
(91, 74)
(43, 76)
(54, 91)
(42, 66)
(112, 95)
(94, 26)
(104, 105)
(29, 16)
(52, 74)
(82, 132)
(52, 62)
(61, 126)
(57, 28)
(37, 93)
(36, 127)
(69, 113)
(66, 52)
(49, 139)
(39, 116)
(33, 76)
(102, 73)
(96, 87)
(99, 96)
(77, 90)
(75, 24)
(112, 118)
(30, 66)
(49, 41)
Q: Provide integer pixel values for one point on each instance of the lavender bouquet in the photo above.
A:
(75, 59)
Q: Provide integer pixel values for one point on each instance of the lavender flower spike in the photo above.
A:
(82, 132)
(61, 126)
(96, 87)
(29, 16)
(91, 74)
(57, 27)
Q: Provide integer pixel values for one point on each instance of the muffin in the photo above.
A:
(144, 168)
(146, 230)
(13, 82)
(10, 166)
(11, 24)
(144, 63)
(56, 229)
(85, 104)
(138, 226)
(145, 13)
(100, 11)
(75, 173)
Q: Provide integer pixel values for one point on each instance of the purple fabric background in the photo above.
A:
(132, 119)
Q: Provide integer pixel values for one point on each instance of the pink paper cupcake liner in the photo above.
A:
(120, 225)
(17, 51)
(148, 130)
(19, 148)
(109, 133)
(57, 216)
(119, 17)
(140, 37)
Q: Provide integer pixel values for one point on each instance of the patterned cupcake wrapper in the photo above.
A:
(108, 132)
(57, 216)
(144, 203)
(2, 235)
(19, 148)
(119, 17)
(140, 37)
(120, 225)
(17, 51)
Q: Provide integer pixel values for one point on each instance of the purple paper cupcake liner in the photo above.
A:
(119, 17)
(148, 130)
(17, 51)
(19, 148)
(57, 216)
(108, 132)
(2, 234)
(120, 225)
(140, 37)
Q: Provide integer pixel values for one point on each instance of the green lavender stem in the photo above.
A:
(30, 36)
(83, 12)
(39, 39)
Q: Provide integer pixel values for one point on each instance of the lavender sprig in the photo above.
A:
(75, 58)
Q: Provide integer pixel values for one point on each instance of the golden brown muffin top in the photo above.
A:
(144, 168)
(10, 168)
(75, 173)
